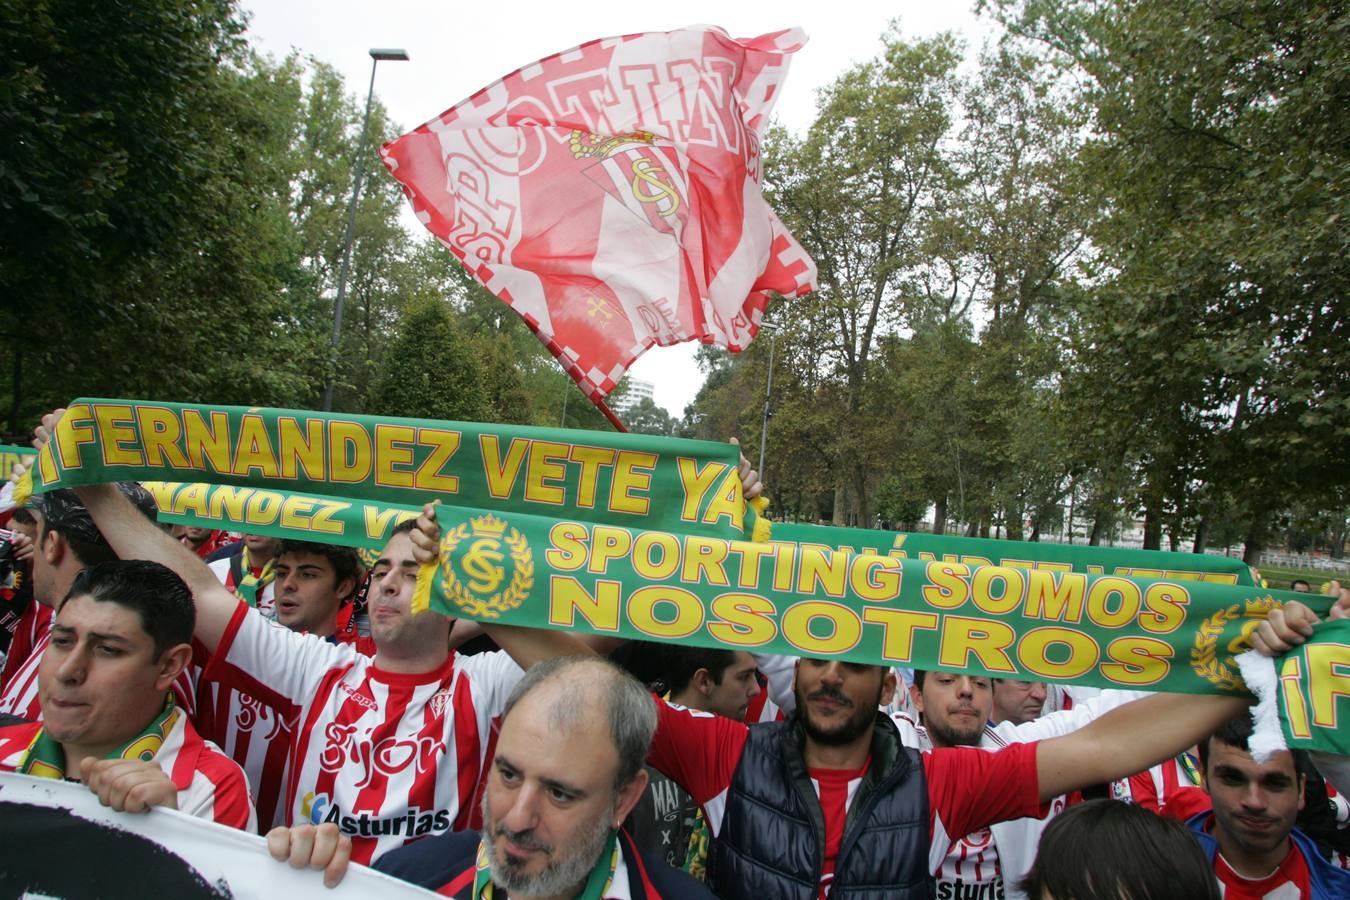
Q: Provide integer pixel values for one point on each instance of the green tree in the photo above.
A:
(855, 192)
(432, 372)
(1220, 155)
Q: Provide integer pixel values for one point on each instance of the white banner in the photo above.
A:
(58, 841)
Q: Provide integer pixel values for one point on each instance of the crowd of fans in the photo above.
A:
(286, 687)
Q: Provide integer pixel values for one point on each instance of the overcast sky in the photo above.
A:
(456, 48)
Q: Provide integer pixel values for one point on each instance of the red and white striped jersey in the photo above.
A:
(210, 784)
(386, 756)
(253, 734)
(267, 599)
(1170, 789)
(20, 696)
(30, 632)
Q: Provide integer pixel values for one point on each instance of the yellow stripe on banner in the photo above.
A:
(421, 599)
(762, 532)
(23, 487)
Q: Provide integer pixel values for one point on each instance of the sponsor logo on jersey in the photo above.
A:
(314, 807)
(415, 822)
(360, 699)
(970, 890)
(390, 756)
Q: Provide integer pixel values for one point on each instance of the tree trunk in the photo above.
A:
(1173, 540)
(837, 516)
(1013, 520)
(1338, 540)
(1152, 526)
(940, 515)
(863, 496)
(1201, 535)
(1095, 537)
(16, 391)
(1255, 542)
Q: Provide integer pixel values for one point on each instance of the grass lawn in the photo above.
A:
(1280, 577)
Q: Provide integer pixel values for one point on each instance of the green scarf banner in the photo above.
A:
(652, 482)
(809, 600)
(10, 456)
(641, 537)
(1023, 554)
(45, 758)
(362, 524)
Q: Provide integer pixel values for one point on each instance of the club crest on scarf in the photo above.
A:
(487, 565)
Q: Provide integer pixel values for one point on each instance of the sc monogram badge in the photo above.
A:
(487, 566)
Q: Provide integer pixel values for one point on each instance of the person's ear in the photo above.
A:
(888, 683)
(171, 664)
(702, 681)
(629, 795)
(916, 697)
(54, 548)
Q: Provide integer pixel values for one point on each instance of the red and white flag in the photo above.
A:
(610, 194)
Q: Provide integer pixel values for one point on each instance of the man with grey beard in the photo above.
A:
(566, 771)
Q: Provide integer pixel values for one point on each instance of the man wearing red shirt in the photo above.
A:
(830, 804)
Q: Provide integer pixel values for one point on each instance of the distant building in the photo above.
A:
(637, 391)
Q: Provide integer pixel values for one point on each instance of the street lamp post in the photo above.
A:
(376, 55)
(768, 394)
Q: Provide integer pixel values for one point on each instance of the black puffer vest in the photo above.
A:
(772, 842)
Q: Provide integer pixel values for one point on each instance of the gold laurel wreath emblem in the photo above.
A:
(484, 604)
(1205, 659)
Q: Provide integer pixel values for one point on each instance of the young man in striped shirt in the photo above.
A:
(118, 643)
(314, 586)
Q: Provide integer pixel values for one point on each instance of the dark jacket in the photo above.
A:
(445, 863)
(1328, 881)
(772, 839)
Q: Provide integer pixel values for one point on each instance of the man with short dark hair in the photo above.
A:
(1298, 584)
(67, 542)
(955, 710)
(1249, 834)
(666, 822)
(248, 569)
(119, 642)
(831, 803)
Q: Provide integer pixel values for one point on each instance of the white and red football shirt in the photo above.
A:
(253, 734)
(29, 631)
(1291, 880)
(968, 788)
(30, 635)
(386, 756)
(1171, 789)
(210, 784)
